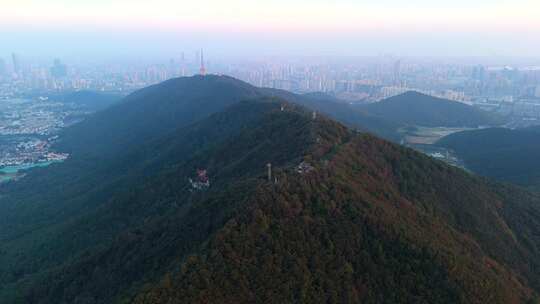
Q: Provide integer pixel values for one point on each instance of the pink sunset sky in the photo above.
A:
(346, 27)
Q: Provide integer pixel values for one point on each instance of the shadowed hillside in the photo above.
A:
(154, 111)
(417, 109)
(503, 154)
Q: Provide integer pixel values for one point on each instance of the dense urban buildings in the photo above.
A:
(506, 87)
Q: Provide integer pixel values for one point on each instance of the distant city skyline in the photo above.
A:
(142, 29)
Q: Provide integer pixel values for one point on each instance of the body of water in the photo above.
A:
(11, 172)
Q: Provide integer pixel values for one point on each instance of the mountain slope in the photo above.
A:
(357, 230)
(56, 224)
(366, 221)
(503, 154)
(351, 116)
(152, 112)
(242, 157)
(417, 109)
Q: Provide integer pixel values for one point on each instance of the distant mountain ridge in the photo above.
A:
(176, 103)
(417, 109)
(151, 112)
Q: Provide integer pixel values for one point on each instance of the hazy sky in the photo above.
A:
(139, 28)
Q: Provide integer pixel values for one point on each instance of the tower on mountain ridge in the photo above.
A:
(202, 70)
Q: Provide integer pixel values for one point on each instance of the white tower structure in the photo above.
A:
(202, 71)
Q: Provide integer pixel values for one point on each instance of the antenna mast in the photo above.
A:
(202, 71)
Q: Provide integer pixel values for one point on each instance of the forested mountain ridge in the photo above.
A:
(56, 223)
(363, 221)
(370, 227)
(163, 200)
(110, 148)
(417, 109)
(346, 217)
(115, 149)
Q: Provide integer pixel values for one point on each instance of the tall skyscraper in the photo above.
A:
(58, 70)
(479, 73)
(202, 71)
(397, 72)
(183, 65)
(16, 63)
